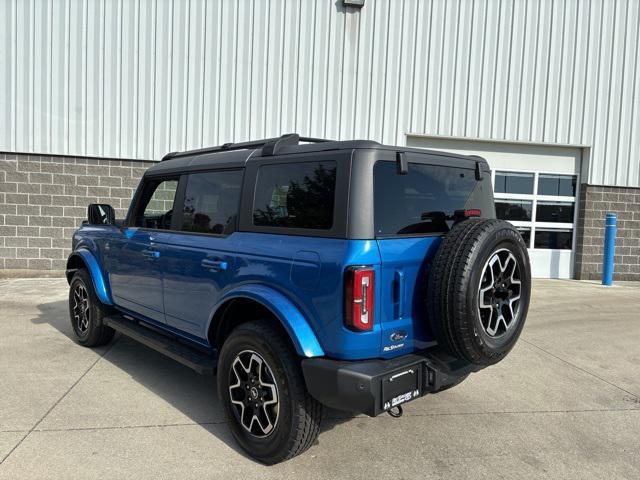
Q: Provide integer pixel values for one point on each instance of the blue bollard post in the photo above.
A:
(610, 227)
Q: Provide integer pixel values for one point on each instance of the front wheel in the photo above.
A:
(86, 312)
(262, 390)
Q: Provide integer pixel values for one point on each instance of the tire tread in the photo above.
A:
(447, 305)
(307, 413)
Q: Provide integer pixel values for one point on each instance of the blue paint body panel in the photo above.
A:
(402, 289)
(98, 277)
(305, 341)
(300, 279)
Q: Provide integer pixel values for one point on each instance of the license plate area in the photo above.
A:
(401, 386)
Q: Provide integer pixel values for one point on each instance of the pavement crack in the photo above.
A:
(58, 401)
(132, 427)
(580, 368)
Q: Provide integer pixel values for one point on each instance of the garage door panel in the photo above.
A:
(536, 188)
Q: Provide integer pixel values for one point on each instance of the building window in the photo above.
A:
(557, 212)
(553, 238)
(514, 182)
(525, 233)
(514, 210)
(540, 205)
(557, 185)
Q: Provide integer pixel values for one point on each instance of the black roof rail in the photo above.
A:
(270, 146)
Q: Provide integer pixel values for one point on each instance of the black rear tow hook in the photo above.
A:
(397, 413)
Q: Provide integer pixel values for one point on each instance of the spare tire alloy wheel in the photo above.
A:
(499, 295)
(478, 290)
(253, 393)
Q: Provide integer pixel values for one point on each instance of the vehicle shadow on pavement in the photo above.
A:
(193, 395)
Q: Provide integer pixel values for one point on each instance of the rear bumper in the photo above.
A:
(374, 386)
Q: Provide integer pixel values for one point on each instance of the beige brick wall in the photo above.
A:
(43, 199)
(595, 202)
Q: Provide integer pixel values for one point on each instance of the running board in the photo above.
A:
(201, 362)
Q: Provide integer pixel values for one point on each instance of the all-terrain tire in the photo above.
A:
(465, 321)
(86, 312)
(299, 415)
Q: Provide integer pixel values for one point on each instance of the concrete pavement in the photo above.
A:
(564, 404)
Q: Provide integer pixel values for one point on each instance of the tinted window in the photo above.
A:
(156, 204)
(555, 212)
(510, 182)
(514, 210)
(211, 202)
(557, 239)
(563, 185)
(296, 195)
(423, 201)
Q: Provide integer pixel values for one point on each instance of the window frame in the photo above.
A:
(342, 159)
(535, 198)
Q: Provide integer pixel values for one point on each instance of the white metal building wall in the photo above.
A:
(136, 79)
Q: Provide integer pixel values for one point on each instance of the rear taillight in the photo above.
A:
(472, 212)
(460, 215)
(359, 304)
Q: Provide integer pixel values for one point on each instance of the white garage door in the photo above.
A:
(536, 189)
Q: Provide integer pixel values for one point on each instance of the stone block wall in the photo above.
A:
(43, 199)
(595, 202)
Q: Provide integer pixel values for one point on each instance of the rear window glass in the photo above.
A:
(296, 195)
(421, 202)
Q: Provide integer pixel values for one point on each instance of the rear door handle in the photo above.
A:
(149, 253)
(215, 265)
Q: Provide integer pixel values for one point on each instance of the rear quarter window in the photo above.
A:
(423, 201)
(296, 195)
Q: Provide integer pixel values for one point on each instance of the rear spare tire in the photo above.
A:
(478, 290)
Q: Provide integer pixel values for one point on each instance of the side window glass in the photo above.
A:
(296, 195)
(211, 202)
(158, 199)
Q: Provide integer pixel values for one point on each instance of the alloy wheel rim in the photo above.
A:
(81, 308)
(253, 393)
(500, 293)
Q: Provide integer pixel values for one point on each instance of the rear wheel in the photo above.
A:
(86, 312)
(479, 289)
(260, 385)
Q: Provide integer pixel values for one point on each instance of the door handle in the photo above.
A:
(151, 253)
(215, 265)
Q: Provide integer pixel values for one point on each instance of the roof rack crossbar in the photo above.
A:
(270, 146)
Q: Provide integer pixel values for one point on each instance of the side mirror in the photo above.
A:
(101, 214)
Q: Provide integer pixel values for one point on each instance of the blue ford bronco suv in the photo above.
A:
(306, 272)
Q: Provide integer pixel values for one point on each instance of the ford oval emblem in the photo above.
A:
(398, 336)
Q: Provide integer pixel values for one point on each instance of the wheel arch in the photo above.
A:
(254, 302)
(83, 258)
